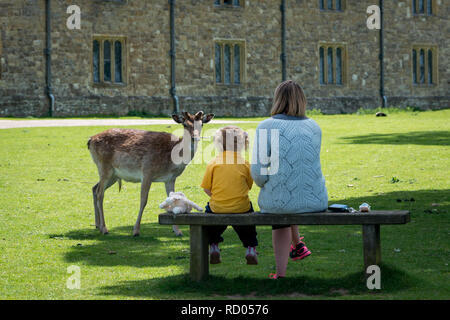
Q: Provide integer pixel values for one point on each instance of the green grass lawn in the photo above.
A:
(47, 220)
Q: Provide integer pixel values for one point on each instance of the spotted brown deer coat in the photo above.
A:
(141, 156)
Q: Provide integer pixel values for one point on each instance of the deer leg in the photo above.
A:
(170, 186)
(94, 193)
(101, 217)
(105, 182)
(145, 187)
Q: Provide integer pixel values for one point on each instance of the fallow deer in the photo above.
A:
(142, 156)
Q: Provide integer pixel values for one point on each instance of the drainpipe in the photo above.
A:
(48, 54)
(283, 40)
(172, 53)
(382, 93)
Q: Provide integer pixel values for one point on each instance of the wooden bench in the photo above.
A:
(370, 221)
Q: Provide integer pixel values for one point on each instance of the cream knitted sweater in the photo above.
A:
(290, 176)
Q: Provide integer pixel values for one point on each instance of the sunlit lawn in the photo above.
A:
(46, 220)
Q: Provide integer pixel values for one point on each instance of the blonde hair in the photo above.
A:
(231, 138)
(289, 99)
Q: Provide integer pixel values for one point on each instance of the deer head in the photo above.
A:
(193, 123)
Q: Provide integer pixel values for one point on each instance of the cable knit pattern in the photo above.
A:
(298, 186)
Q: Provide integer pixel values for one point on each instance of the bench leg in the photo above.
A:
(371, 244)
(199, 267)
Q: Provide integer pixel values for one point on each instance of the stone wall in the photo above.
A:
(22, 39)
(145, 24)
(405, 30)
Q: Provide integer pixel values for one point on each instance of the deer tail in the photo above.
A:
(120, 184)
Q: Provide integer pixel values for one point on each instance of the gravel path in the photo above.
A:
(9, 124)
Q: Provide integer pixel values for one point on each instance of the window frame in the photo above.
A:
(1, 55)
(344, 60)
(415, 7)
(325, 6)
(112, 39)
(114, 1)
(242, 53)
(435, 68)
(222, 5)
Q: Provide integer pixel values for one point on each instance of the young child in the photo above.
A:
(227, 181)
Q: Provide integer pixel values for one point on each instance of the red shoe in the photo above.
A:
(300, 252)
(274, 276)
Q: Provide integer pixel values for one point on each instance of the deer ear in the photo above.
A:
(207, 118)
(198, 115)
(186, 115)
(177, 118)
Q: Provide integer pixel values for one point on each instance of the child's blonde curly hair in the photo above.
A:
(231, 138)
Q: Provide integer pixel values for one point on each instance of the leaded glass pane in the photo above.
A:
(330, 4)
(107, 61)
(218, 63)
(237, 64)
(118, 61)
(236, 2)
(96, 61)
(422, 66)
(227, 62)
(414, 63)
(338, 5)
(330, 66)
(430, 67)
(322, 4)
(430, 7)
(322, 65)
(421, 6)
(339, 66)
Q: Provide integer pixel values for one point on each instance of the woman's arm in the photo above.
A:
(261, 155)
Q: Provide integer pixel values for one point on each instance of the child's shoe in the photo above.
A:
(274, 276)
(300, 252)
(251, 256)
(214, 254)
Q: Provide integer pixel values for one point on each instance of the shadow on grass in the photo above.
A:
(417, 201)
(120, 248)
(432, 138)
(218, 287)
(158, 247)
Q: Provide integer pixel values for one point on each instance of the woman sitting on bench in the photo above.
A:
(286, 166)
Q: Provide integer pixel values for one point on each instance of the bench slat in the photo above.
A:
(318, 218)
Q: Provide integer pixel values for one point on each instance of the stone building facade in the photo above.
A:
(227, 55)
